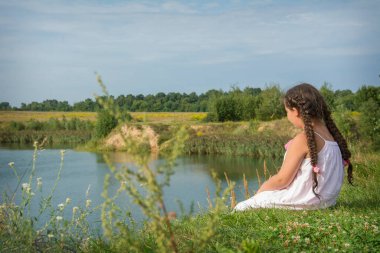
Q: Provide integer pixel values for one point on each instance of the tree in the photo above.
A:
(5, 106)
(270, 105)
(328, 94)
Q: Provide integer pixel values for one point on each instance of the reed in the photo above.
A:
(231, 185)
(246, 190)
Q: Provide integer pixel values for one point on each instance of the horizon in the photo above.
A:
(51, 50)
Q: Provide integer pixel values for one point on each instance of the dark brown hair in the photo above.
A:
(311, 105)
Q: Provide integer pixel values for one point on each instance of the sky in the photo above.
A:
(52, 49)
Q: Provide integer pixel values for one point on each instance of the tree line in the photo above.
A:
(161, 102)
(233, 105)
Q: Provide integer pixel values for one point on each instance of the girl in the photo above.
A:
(311, 174)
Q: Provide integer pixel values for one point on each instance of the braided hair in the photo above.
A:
(311, 105)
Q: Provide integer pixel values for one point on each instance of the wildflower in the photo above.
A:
(307, 240)
(347, 245)
(26, 187)
(50, 235)
(68, 201)
(88, 203)
(334, 236)
(11, 164)
(61, 206)
(59, 218)
(75, 209)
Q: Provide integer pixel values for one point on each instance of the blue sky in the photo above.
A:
(52, 49)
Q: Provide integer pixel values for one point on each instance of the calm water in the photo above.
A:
(83, 169)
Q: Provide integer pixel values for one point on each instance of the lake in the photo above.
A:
(83, 170)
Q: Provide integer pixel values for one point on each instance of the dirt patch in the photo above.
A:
(144, 135)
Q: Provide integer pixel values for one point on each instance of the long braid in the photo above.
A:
(338, 137)
(310, 137)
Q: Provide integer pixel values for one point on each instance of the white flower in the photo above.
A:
(59, 218)
(26, 187)
(68, 201)
(307, 240)
(88, 203)
(61, 206)
(346, 245)
(11, 164)
(50, 235)
(75, 209)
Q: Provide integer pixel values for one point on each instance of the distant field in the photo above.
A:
(7, 116)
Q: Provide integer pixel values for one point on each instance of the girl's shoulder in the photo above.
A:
(300, 142)
(300, 138)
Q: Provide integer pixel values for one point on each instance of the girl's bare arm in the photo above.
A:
(294, 156)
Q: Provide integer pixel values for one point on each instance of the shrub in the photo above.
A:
(346, 124)
(270, 104)
(104, 124)
(370, 122)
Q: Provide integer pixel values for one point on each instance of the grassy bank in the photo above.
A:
(351, 226)
(256, 139)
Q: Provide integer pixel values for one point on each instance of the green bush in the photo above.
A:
(227, 109)
(104, 124)
(346, 124)
(370, 122)
(16, 126)
(270, 104)
(33, 125)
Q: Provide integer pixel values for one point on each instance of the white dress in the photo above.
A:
(299, 194)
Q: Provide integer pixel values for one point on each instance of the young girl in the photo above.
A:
(312, 173)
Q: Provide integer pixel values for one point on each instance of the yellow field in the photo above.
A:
(7, 116)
